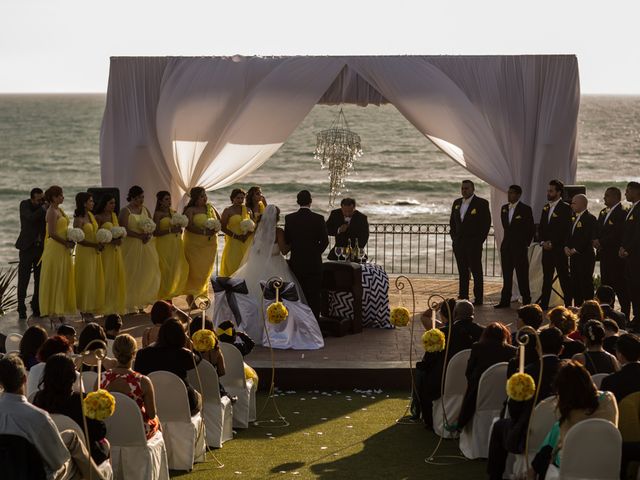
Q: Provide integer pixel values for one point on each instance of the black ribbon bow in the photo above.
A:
(230, 288)
(287, 292)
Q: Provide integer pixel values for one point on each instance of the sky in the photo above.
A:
(64, 46)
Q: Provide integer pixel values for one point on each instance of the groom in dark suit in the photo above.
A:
(469, 226)
(306, 232)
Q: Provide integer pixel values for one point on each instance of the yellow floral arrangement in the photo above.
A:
(99, 405)
(521, 387)
(277, 313)
(204, 340)
(400, 317)
(433, 340)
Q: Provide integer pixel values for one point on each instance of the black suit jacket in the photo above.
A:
(610, 233)
(555, 230)
(618, 317)
(32, 225)
(519, 233)
(358, 228)
(306, 232)
(631, 232)
(583, 234)
(476, 224)
(484, 355)
(624, 382)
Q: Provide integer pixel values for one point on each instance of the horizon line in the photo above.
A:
(104, 92)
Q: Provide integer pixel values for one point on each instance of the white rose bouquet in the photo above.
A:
(103, 235)
(179, 220)
(147, 226)
(118, 232)
(247, 226)
(213, 224)
(76, 235)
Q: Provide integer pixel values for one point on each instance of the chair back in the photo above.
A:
(34, 377)
(586, 458)
(67, 423)
(89, 379)
(172, 402)
(544, 416)
(210, 389)
(12, 342)
(20, 459)
(629, 420)
(125, 427)
(234, 367)
(597, 378)
(491, 388)
(455, 382)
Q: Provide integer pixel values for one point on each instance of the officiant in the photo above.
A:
(346, 223)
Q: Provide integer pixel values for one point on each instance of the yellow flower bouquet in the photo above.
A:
(277, 313)
(204, 340)
(400, 317)
(521, 387)
(99, 405)
(433, 340)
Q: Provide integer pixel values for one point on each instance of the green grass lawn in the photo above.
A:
(332, 437)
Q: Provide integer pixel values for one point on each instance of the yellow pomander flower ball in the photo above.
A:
(433, 340)
(521, 387)
(277, 313)
(400, 317)
(99, 405)
(204, 340)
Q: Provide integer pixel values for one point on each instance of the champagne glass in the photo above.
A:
(339, 253)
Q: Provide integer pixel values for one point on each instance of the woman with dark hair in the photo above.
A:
(174, 269)
(56, 395)
(595, 359)
(589, 310)
(88, 262)
(57, 276)
(578, 399)
(92, 338)
(169, 353)
(115, 288)
(566, 321)
(54, 345)
(200, 243)
(494, 347)
(31, 341)
(139, 253)
(160, 312)
(255, 202)
(236, 241)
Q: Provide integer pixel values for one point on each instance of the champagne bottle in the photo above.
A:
(356, 252)
(347, 252)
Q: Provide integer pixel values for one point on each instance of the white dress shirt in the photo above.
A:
(465, 206)
(552, 206)
(512, 208)
(573, 228)
(631, 209)
(609, 212)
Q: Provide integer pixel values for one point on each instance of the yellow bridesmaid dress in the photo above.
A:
(200, 252)
(89, 272)
(115, 286)
(174, 269)
(234, 249)
(140, 265)
(57, 283)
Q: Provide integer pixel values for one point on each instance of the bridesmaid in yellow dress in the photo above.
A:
(115, 288)
(141, 265)
(235, 240)
(57, 282)
(200, 243)
(256, 203)
(174, 269)
(89, 272)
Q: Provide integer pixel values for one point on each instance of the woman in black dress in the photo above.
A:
(595, 359)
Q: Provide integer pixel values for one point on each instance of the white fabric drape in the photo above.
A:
(175, 123)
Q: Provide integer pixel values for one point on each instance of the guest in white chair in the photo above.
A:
(227, 333)
(595, 358)
(30, 343)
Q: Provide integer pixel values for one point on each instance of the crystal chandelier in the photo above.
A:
(337, 148)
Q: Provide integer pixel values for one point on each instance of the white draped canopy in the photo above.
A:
(172, 123)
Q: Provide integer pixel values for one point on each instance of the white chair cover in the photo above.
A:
(218, 412)
(234, 382)
(455, 386)
(89, 379)
(592, 451)
(251, 324)
(12, 342)
(33, 378)
(598, 377)
(133, 456)
(184, 435)
(474, 439)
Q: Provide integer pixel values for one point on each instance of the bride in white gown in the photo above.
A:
(265, 260)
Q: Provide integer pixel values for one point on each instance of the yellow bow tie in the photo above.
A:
(228, 331)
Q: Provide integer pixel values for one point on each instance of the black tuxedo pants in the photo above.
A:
(29, 259)
(469, 260)
(553, 261)
(311, 285)
(612, 273)
(581, 275)
(515, 258)
(632, 268)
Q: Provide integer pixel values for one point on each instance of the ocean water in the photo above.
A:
(402, 177)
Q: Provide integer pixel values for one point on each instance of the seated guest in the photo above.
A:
(595, 359)
(578, 400)
(57, 396)
(509, 434)
(92, 338)
(30, 343)
(606, 297)
(589, 310)
(627, 380)
(160, 311)
(227, 333)
(611, 335)
(566, 321)
(62, 454)
(121, 378)
(347, 224)
(529, 315)
(54, 345)
(214, 357)
(169, 353)
(494, 347)
(112, 326)
(69, 333)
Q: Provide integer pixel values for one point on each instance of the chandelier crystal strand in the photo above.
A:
(337, 148)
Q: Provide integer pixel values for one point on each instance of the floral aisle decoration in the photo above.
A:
(204, 340)
(521, 386)
(99, 405)
(277, 312)
(433, 340)
(400, 317)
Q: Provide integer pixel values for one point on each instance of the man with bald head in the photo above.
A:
(579, 249)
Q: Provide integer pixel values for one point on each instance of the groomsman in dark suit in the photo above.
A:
(553, 230)
(517, 222)
(346, 223)
(630, 249)
(306, 232)
(579, 249)
(469, 224)
(607, 243)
